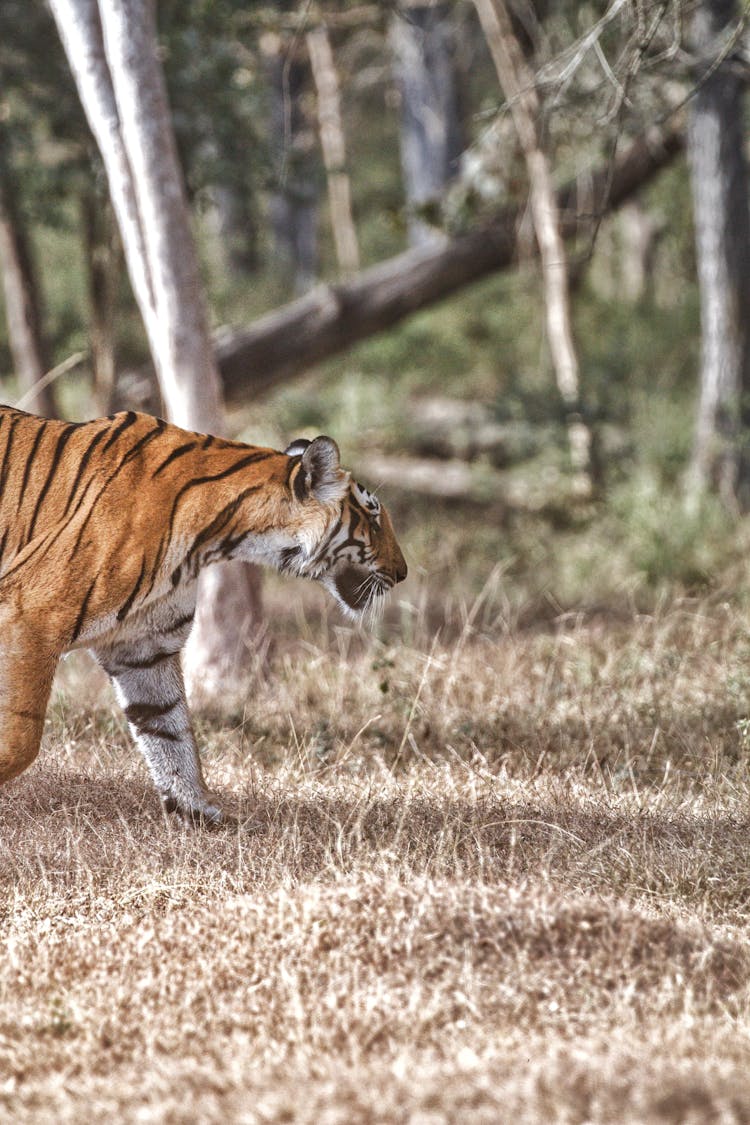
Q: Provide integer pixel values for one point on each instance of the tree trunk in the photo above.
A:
(102, 253)
(294, 203)
(22, 303)
(334, 149)
(431, 134)
(719, 181)
(289, 341)
(518, 85)
(639, 239)
(180, 338)
(237, 229)
(111, 48)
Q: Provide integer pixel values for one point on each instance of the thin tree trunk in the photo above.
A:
(517, 82)
(289, 341)
(334, 149)
(102, 262)
(237, 229)
(22, 303)
(80, 30)
(639, 235)
(431, 134)
(294, 203)
(185, 362)
(111, 47)
(719, 181)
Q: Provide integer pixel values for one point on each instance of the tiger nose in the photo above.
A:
(400, 570)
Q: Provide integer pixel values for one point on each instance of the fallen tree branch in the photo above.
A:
(290, 340)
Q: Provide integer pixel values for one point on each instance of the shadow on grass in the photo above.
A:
(68, 823)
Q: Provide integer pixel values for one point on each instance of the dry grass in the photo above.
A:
(497, 875)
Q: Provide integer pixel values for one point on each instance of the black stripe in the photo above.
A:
(82, 467)
(161, 552)
(323, 547)
(140, 713)
(125, 424)
(231, 542)
(48, 540)
(355, 505)
(288, 559)
(158, 658)
(300, 485)
(159, 732)
(250, 459)
(79, 505)
(125, 607)
(220, 521)
(209, 532)
(6, 459)
(30, 459)
(142, 442)
(82, 613)
(84, 525)
(139, 444)
(180, 623)
(180, 451)
(62, 441)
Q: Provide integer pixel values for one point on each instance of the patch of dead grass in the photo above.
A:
(502, 876)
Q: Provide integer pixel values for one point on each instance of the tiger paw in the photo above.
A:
(206, 816)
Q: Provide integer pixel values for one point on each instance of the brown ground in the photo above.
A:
(503, 875)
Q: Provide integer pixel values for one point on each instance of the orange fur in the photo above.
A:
(104, 527)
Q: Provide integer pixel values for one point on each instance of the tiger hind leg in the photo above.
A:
(26, 672)
(151, 692)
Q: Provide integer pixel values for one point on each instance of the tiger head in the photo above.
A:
(345, 537)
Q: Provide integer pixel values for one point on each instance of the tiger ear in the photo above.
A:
(297, 448)
(321, 464)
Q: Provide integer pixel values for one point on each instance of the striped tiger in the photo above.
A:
(104, 528)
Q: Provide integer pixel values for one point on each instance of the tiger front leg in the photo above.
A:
(151, 692)
(26, 670)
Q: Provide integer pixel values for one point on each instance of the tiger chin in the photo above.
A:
(104, 529)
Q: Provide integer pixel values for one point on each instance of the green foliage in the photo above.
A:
(486, 346)
(669, 543)
(216, 96)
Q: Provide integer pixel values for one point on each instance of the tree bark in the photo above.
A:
(719, 181)
(289, 341)
(333, 145)
(80, 30)
(639, 239)
(102, 264)
(185, 362)
(22, 303)
(111, 48)
(518, 85)
(294, 203)
(431, 133)
(237, 228)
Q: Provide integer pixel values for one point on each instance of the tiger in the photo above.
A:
(105, 526)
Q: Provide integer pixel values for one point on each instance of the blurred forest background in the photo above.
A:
(353, 167)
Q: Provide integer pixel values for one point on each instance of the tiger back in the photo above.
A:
(104, 529)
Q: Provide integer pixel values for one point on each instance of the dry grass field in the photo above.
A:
(484, 874)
